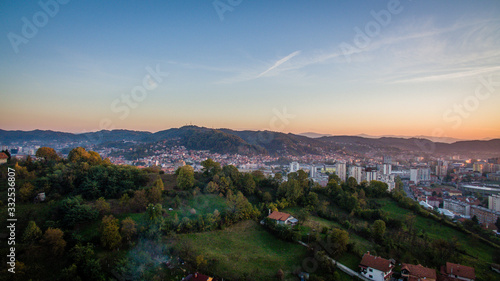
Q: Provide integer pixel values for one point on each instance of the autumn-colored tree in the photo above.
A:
(124, 201)
(53, 238)
(139, 201)
(79, 154)
(110, 234)
(159, 183)
(102, 206)
(47, 153)
(31, 233)
(185, 179)
(154, 194)
(129, 228)
(212, 187)
(26, 191)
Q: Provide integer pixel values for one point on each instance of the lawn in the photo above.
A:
(246, 249)
(434, 230)
(200, 205)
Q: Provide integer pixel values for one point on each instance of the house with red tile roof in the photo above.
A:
(411, 272)
(457, 272)
(283, 218)
(3, 158)
(376, 268)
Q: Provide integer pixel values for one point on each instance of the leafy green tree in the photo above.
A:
(110, 234)
(248, 184)
(102, 206)
(333, 187)
(352, 183)
(185, 179)
(88, 266)
(378, 229)
(267, 197)
(47, 153)
(334, 177)
(31, 233)
(212, 187)
(159, 184)
(210, 168)
(53, 238)
(337, 241)
(154, 221)
(154, 194)
(73, 211)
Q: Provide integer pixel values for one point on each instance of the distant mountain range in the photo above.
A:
(258, 142)
(434, 139)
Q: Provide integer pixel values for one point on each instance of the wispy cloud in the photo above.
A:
(278, 63)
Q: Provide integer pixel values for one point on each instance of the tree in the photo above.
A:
(154, 194)
(139, 201)
(129, 228)
(248, 184)
(154, 220)
(110, 234)
(337, 241)
(31, 233)
(185, 179)
(210, 168)
(53, 238)
(333, 187)
(159, 183)
(79, 154)
(267, 197)
(102, 206)
(352, 183)
(475, 220)
(378, 229)
(26, 191)
(212, 187)
(47, 153)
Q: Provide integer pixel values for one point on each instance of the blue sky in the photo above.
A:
(292, 66)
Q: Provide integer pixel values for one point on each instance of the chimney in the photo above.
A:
(269, 211)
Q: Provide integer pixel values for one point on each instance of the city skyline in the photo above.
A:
(407, 68)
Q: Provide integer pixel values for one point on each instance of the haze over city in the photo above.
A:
(374, 67)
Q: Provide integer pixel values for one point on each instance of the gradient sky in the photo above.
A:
(280, 65)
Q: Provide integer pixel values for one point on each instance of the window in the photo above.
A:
(371, 270)
(371, 276)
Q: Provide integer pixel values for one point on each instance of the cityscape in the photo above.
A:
(233, 140)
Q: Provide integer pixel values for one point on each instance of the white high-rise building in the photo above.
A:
(341, 170)
(494, 202)
(413, 175)
(356, 172)
(420, 174)
(294, 167)
(386, 169)
(371, 176)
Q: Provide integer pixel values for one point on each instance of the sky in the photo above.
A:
(389, 67)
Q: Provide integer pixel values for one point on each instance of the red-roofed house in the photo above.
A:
(3, 158)
(411, 272)
(283, 218)
(376, 268)
(458, 272)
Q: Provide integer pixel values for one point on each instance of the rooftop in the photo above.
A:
(376, 262)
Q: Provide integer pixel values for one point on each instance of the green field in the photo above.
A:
(246, 249)
(200, 205)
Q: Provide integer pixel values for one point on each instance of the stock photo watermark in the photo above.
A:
(363, 37)
(39, 19)
(456, 114)
(123, 105)
(223, 6)
(11, 219)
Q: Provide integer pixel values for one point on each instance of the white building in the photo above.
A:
(386, 169)
(341, 170)
(356, 172)
(494, 202)
(294, 167)
(376, 268)
(371, 176)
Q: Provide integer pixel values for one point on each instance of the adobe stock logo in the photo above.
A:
(363, 38)
(39, 19)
